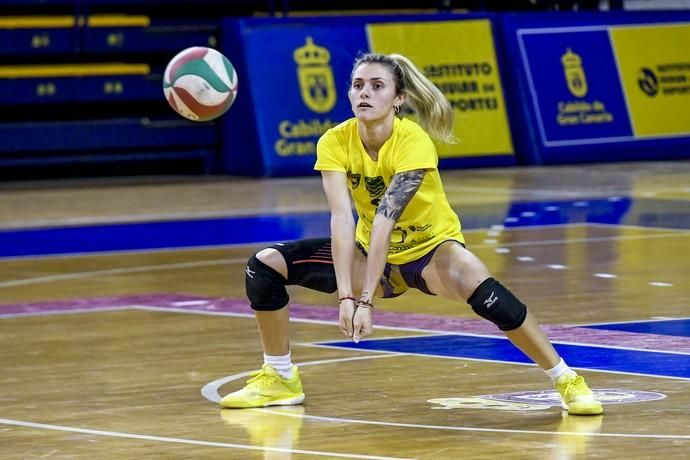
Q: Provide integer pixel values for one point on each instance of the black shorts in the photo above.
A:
(310, 264)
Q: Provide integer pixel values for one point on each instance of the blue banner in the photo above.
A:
(575, 87)
(307, 71)
(574, 95)
(294, 78)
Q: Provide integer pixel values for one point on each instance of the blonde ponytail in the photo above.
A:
(433, 110)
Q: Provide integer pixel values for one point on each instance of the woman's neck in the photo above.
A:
(374, 135)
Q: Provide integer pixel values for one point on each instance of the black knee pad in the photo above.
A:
(493, 301)
(265, 287)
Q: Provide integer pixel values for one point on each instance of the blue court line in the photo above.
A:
(650, 363)
(674, 327)
(158, 235)
(277, 227)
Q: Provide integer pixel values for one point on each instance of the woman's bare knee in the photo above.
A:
(274, 259)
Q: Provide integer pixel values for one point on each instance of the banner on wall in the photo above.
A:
(465, 70)
(598, 91)
(297, 75)
(654, 64)
(298, 80)
(574, 87)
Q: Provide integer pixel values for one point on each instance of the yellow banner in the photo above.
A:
(654, 62)
(459, 57)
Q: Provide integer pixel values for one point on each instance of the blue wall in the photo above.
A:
(81, 91)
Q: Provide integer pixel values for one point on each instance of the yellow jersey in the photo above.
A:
(428, 218)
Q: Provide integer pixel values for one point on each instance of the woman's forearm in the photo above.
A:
(342, 246)
(378, 254)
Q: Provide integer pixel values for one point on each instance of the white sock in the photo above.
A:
(558, 370)
(282, 364)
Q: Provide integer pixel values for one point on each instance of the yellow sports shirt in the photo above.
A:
(427, 220)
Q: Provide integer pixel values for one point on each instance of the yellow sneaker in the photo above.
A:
(576, 397)
(266, 388)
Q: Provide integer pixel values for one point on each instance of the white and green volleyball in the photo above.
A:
(200, 83)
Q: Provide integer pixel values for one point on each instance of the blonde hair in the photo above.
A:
(433, 110)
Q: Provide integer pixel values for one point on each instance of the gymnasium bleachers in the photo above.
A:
(81, 86)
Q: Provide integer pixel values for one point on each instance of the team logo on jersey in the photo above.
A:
(355, 179)
(376, 188)
(315, 76)
(398, 235)
(541, 400)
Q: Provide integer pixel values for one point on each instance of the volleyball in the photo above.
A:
(200, 83)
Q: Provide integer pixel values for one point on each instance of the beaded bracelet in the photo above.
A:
(347, 297)
(365, 304)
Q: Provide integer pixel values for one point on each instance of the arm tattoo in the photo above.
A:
(401, 190)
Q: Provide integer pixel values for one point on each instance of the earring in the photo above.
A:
(396, 108)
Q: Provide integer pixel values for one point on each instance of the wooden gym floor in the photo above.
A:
(123, 321)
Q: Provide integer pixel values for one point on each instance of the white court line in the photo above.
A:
(216, 247)
(64, 312)
(160, 217)
(489, 430)
(660, 284)
(191, 303)
(486, 430)
(203, 263)
(210, 392)
(600, 239)
(117, 434)
(120, 252)
(683, 231)
(421, 333)
(605, 275)
(514, 363)
(653, 320)
(427, 332)
(525, 191)
(119, 271)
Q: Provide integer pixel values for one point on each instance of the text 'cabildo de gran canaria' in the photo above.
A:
(300, 137)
